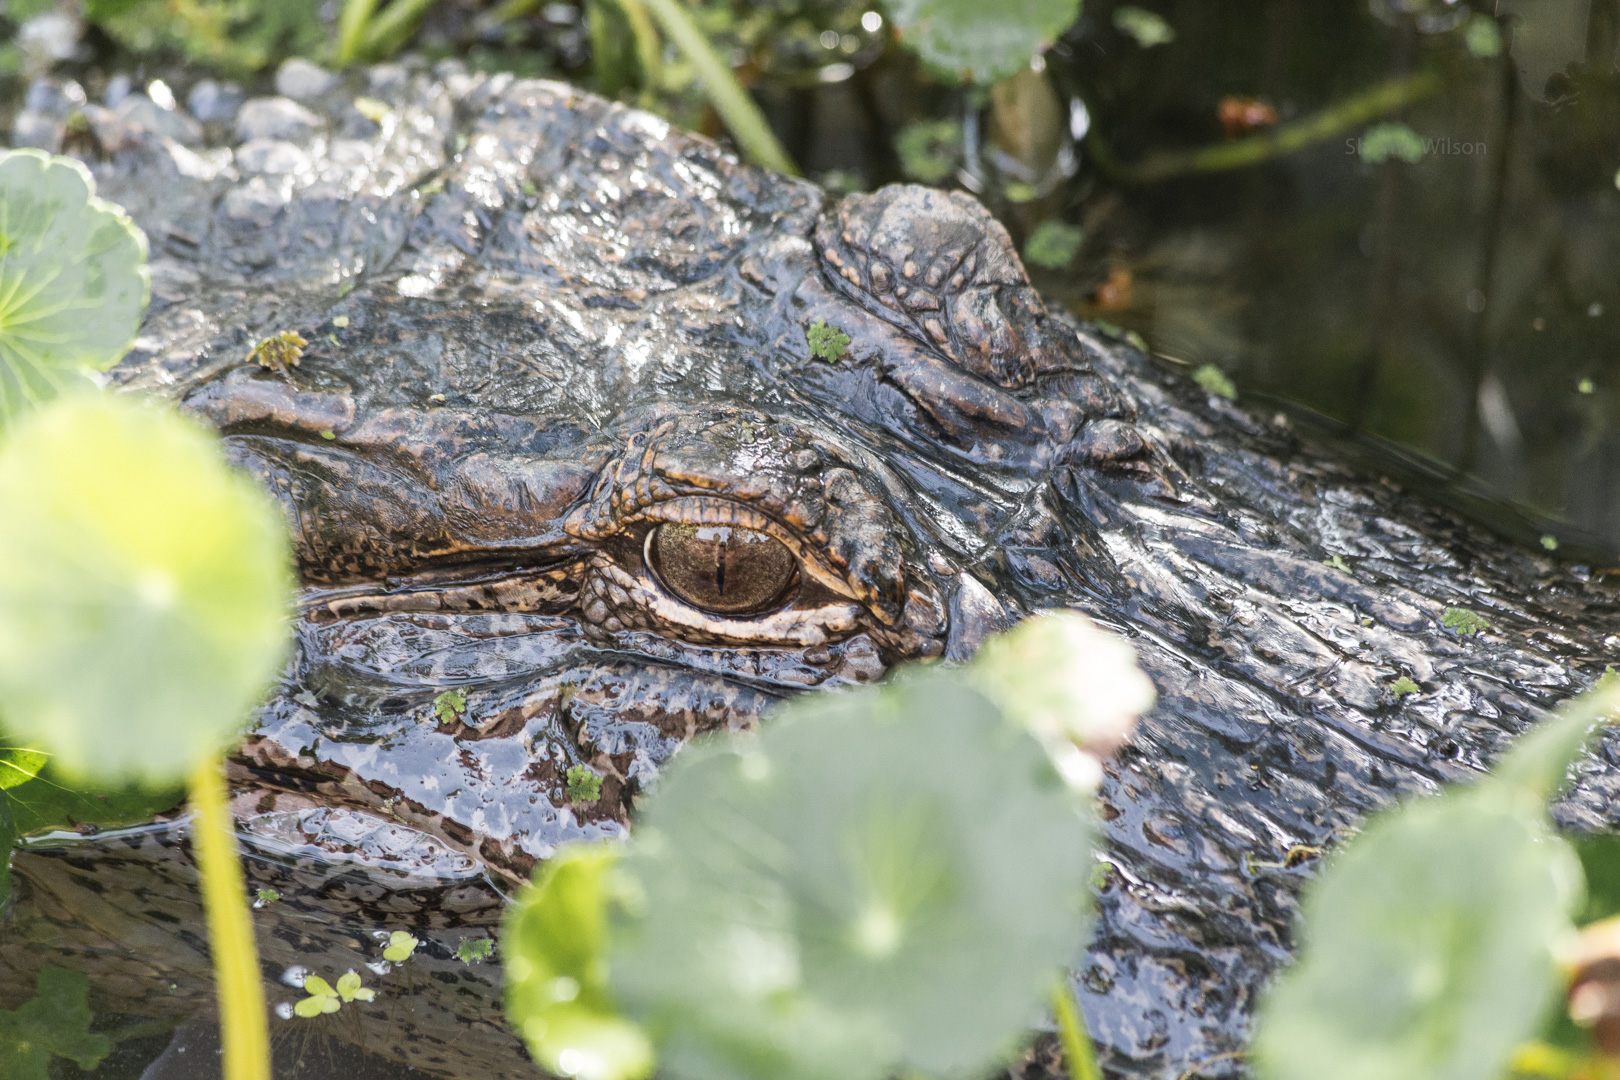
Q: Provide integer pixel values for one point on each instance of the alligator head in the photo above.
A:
(624, 441)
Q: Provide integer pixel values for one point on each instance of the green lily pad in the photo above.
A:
(1430, 941)
(810, 909)
(1429, 947)
(47, 802)
(978, 42)
(555, 942)
(73, 279)
(144, 590)
(55, 1021)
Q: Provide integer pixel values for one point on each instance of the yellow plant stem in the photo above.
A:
(1077, 1052)
(1336, 120)
(244, 1030)
(743, 118)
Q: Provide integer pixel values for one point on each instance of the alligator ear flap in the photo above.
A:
(937, 265)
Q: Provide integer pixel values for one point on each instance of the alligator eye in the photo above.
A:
(721, 568)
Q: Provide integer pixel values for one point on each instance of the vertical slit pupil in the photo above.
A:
(723, 568)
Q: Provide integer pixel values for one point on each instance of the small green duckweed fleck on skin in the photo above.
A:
(1550, 542)
(827, 342)
(1586, 386)
(328, 435)
(265, 896)
(1404, 686)
(400, 947)
(1337, 562)
(1216, 381)
(1465, 622)
(280, 352)
(475, 950)
(450, 706)
(584, 786)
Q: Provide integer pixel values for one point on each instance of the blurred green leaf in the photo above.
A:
(144, 590)
(978, 42)
(1391, 140)
(44, 802)
(929, 150)
(1600, 864)
(73, 280)
(1216, 381)
(1146, 27)
(817, 910)
(1538, 763)
(55, 1021)
(1428, 946)
(1483, 36)
(1053, 244)
(555, 942)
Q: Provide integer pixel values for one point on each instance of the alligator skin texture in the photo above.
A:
(542, 327)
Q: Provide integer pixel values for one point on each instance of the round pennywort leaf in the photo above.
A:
(879, 883)
(556, 942)
(144, 590)
(73, 279)
(1429, 947)
(979, 42)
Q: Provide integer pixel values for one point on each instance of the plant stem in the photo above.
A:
(244, 1031)
(389, 31)
(648, 47)
(1077, 1050)
(730, 100)
(1347, 115)
(352, 25)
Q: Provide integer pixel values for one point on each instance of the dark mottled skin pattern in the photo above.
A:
(541, 324)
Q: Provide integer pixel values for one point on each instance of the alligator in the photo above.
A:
(624, 441)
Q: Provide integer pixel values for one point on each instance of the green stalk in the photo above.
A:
(238, 986)
(352, 28)
(1335, 120)
(730, 100)
(1077, 1050)
(389, 31)
(648, 48)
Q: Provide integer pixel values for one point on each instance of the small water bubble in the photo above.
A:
(380, 967)
(295, 976)
(284, 1010)
(872, 22)
(829, 39)
(1476, 301)
(1594, 310)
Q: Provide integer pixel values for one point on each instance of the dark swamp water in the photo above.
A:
(1454, 321)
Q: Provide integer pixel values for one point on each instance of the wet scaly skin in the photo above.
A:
(543, 326)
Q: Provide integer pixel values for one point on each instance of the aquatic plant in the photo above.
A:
(1434, 938)
(788, 909)
(144, 584)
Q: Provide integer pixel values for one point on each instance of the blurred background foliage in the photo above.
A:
(1395, 219)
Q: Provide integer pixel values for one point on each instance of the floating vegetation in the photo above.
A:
(400, 947)
(450, 706)
(280, 352)
(55, 1022)
(1403, 686)
(475, 950)
(1463, 621)
(1337, 562)
(325, 998)
(1216, 381)
(584, 786)
(1053, 244)
(1147, 28)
